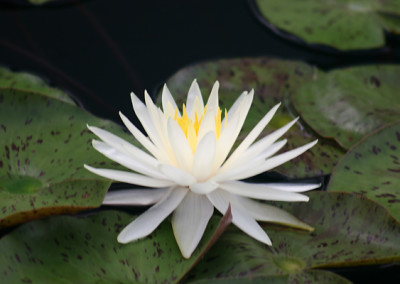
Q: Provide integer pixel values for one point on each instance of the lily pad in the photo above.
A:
(44, 144)
(342, 24)
(64, 249)
(23, 81)
(274, 81)
(347, 104)
(349, 230)
(372, 168)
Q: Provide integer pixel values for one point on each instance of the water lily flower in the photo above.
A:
(190, 167)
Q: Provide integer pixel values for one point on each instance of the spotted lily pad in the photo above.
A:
(349, 103)
(65, 249)
(372, 168)
(44, 144)
(341, 24)
(274, 81)
(349, 230)
(23, 81)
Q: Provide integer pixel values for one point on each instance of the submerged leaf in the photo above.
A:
(347, 104)
(65, 249)
(44, 144)
(349, 231)
(341, 24)
(372, 168)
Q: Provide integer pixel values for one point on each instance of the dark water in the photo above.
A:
(101, 50)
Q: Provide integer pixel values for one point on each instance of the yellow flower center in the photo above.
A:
(190, 127)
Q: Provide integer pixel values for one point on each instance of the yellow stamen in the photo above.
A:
(191, 127)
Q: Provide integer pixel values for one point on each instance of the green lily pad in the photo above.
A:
(64, 249)
(341, 24)
(23, 81)
(44, 144)
(274, 81)
(349, 230)
(347, 104)
(372, 168)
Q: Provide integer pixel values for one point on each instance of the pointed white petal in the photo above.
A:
(180, 145)
(204, 157)
(134, 196)
(212, 103)
(146, 223)
(142, 166)
(140, 136)
(167, 98)
(261, 191)
(226, 140)
(194, 100)
(242, 219)
(268, 213)
(129, 177)
(262, 144)
(277, 160)
(235, 105)
(179, 176)
(143, 115)
(190, 220)
(252, 136)
(207, 124)
(203, 187)
(293, 187)
(243, 165)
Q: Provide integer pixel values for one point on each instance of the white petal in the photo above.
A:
(203, 187)
(167, 98)
(204, 157)
(179, 176)
(212, 103)
(145, 119)
(269, 213)
(194, 101)
(261, 191)
(235, 105)
(140, 137)
(135, 196)
(242, 219)
(125, 160)
(252, 136)
(242, 165)
(190, 220)
(294, 187)
(146, 223)
(226, 140)
(129, 177)
(277, 160)
(264, 143)
(180, 145)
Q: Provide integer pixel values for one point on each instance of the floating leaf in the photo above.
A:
(341, 24)
(372, 168)
(347, 104)
(349, 230)
(65, 249)
(44, 144)
(23, 81)
(274, 81)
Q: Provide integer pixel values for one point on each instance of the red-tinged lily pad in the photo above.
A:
(372, 168)
(65, 249)
(349, 230)
(274, 81)
(22, 81)
(347, 104)
(44, 144)
(340, 24)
